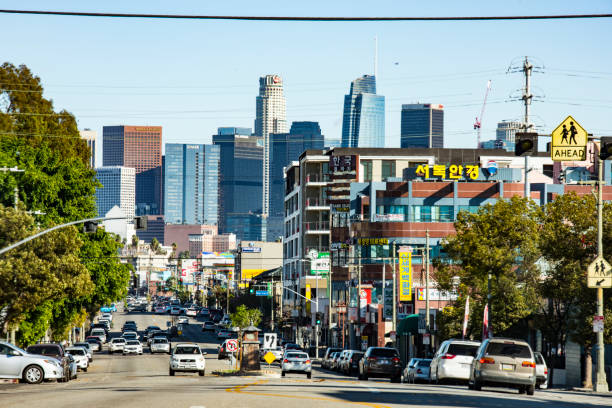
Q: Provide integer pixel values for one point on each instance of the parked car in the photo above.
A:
(160, 309)
(116, 344)
(80, 357)
(87, 348)
(350, 364)
(72, 366)
(340, 361)
(106, 323)
(224, 334)
(56, 351)
(380, 362)
(159, 345)
(94, 343)
(132, 347)
(453, 360)
(106, 316)
(296, 362)
(31, 368)
(419, 371)
(325, 362)
(187, 357)
(541, 371)
(175, 310)
(335, 360)
(222, 352)
(278, 353)
(504, 363)
(108, 309)
(183, 320)
(209, 326)
(192, 311)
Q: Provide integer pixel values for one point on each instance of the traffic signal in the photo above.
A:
(90, 227)
(319, 316)
(140, 223)
(526, 144)
(605, 148)
(251, 290)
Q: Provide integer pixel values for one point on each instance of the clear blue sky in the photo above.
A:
(193, 76)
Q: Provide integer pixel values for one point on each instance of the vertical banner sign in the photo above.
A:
(405, 273)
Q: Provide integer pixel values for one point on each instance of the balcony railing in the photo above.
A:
(317, 178)
(316, 202)
(316, 226)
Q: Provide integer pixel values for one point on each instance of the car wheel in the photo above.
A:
(171, 372)
(309, 375)
(470, 385)
(522, 389)
(477, 385)
(33, 374)
(396, 379)
(85, 369)
(201, 373)
(530, 389)
(282, 373)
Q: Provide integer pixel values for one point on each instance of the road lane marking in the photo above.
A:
(240, 389)
(371, 389)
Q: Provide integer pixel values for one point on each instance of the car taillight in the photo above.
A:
(419, 371)
(528, 364)
(545, 372)
(307, 361)
(447, 357)
(371, 358)
(487, 360)
(396, 360)
(285, 361)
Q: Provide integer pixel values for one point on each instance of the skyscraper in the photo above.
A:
(506, 132)
(90, 137)
(138, 147)
(118, 189)
(270, 117)
(191, 182)
(422, 125)
(363, 123)
(286, 147)
(240, 183)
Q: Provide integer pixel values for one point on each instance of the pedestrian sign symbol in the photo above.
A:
(569, 141)
(599, 274)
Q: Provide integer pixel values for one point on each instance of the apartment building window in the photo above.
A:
(426, 213)
(367, 170)
(388, 169)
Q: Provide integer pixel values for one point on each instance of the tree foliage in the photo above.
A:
(244, 317)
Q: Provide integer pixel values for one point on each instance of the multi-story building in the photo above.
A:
(505, 133)
(118, 189)
(138, 147)
(178, 234)
(224, 242)
(285, 148)
(270, 117)
(422, 125)
(191, 183)
(90, 138)
(155, 229)
(363, 123)
(240, 183)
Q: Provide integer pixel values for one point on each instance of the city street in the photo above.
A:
(116, 381)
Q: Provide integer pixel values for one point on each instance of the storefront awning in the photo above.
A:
(409, 325)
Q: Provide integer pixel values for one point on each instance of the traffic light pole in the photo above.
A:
(41, 233)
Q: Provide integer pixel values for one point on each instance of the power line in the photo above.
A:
(303, 18)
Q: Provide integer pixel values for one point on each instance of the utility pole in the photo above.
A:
(359, 294)
(527, 96)
(601, 385)
(272, 308)
(427, 322)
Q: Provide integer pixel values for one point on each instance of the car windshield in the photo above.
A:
(508, 349)
(424, 363)
(118, 340)
(297, 355)
(383, 352)
(459, 349)
(52, 350)
(76, 352)
(86, 345)
(133, 343)
(92, 340)
(160, 341)
(187, 350)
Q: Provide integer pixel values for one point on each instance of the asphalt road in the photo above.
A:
(115, 381)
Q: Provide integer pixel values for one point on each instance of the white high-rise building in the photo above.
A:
(118, 189)
(270, 117)
(90, 137)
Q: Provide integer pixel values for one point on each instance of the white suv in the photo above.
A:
(453, 360)
(187, 357)
(116, 344)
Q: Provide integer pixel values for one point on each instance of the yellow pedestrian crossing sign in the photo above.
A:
(569, 141)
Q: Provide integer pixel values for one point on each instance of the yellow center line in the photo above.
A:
(240, 389)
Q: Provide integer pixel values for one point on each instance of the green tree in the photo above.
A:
(244, 317)
(500, 240)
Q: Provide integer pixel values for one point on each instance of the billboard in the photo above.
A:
(405, 274)
(320, 265)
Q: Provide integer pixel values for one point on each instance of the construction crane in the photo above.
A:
(478, 123)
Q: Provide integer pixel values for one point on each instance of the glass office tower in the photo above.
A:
(191, 184)
(363, 123)
(422, 125)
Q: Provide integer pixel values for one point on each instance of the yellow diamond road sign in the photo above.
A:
(569, 141)
(599, 274)
(269, 357)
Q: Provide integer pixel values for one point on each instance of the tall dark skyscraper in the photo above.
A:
(138, 147)
(286, 147)
(191, 183)
(422, 125)
(363, 123)
(240, 183)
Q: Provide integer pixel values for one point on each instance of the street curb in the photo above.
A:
(9, 381)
